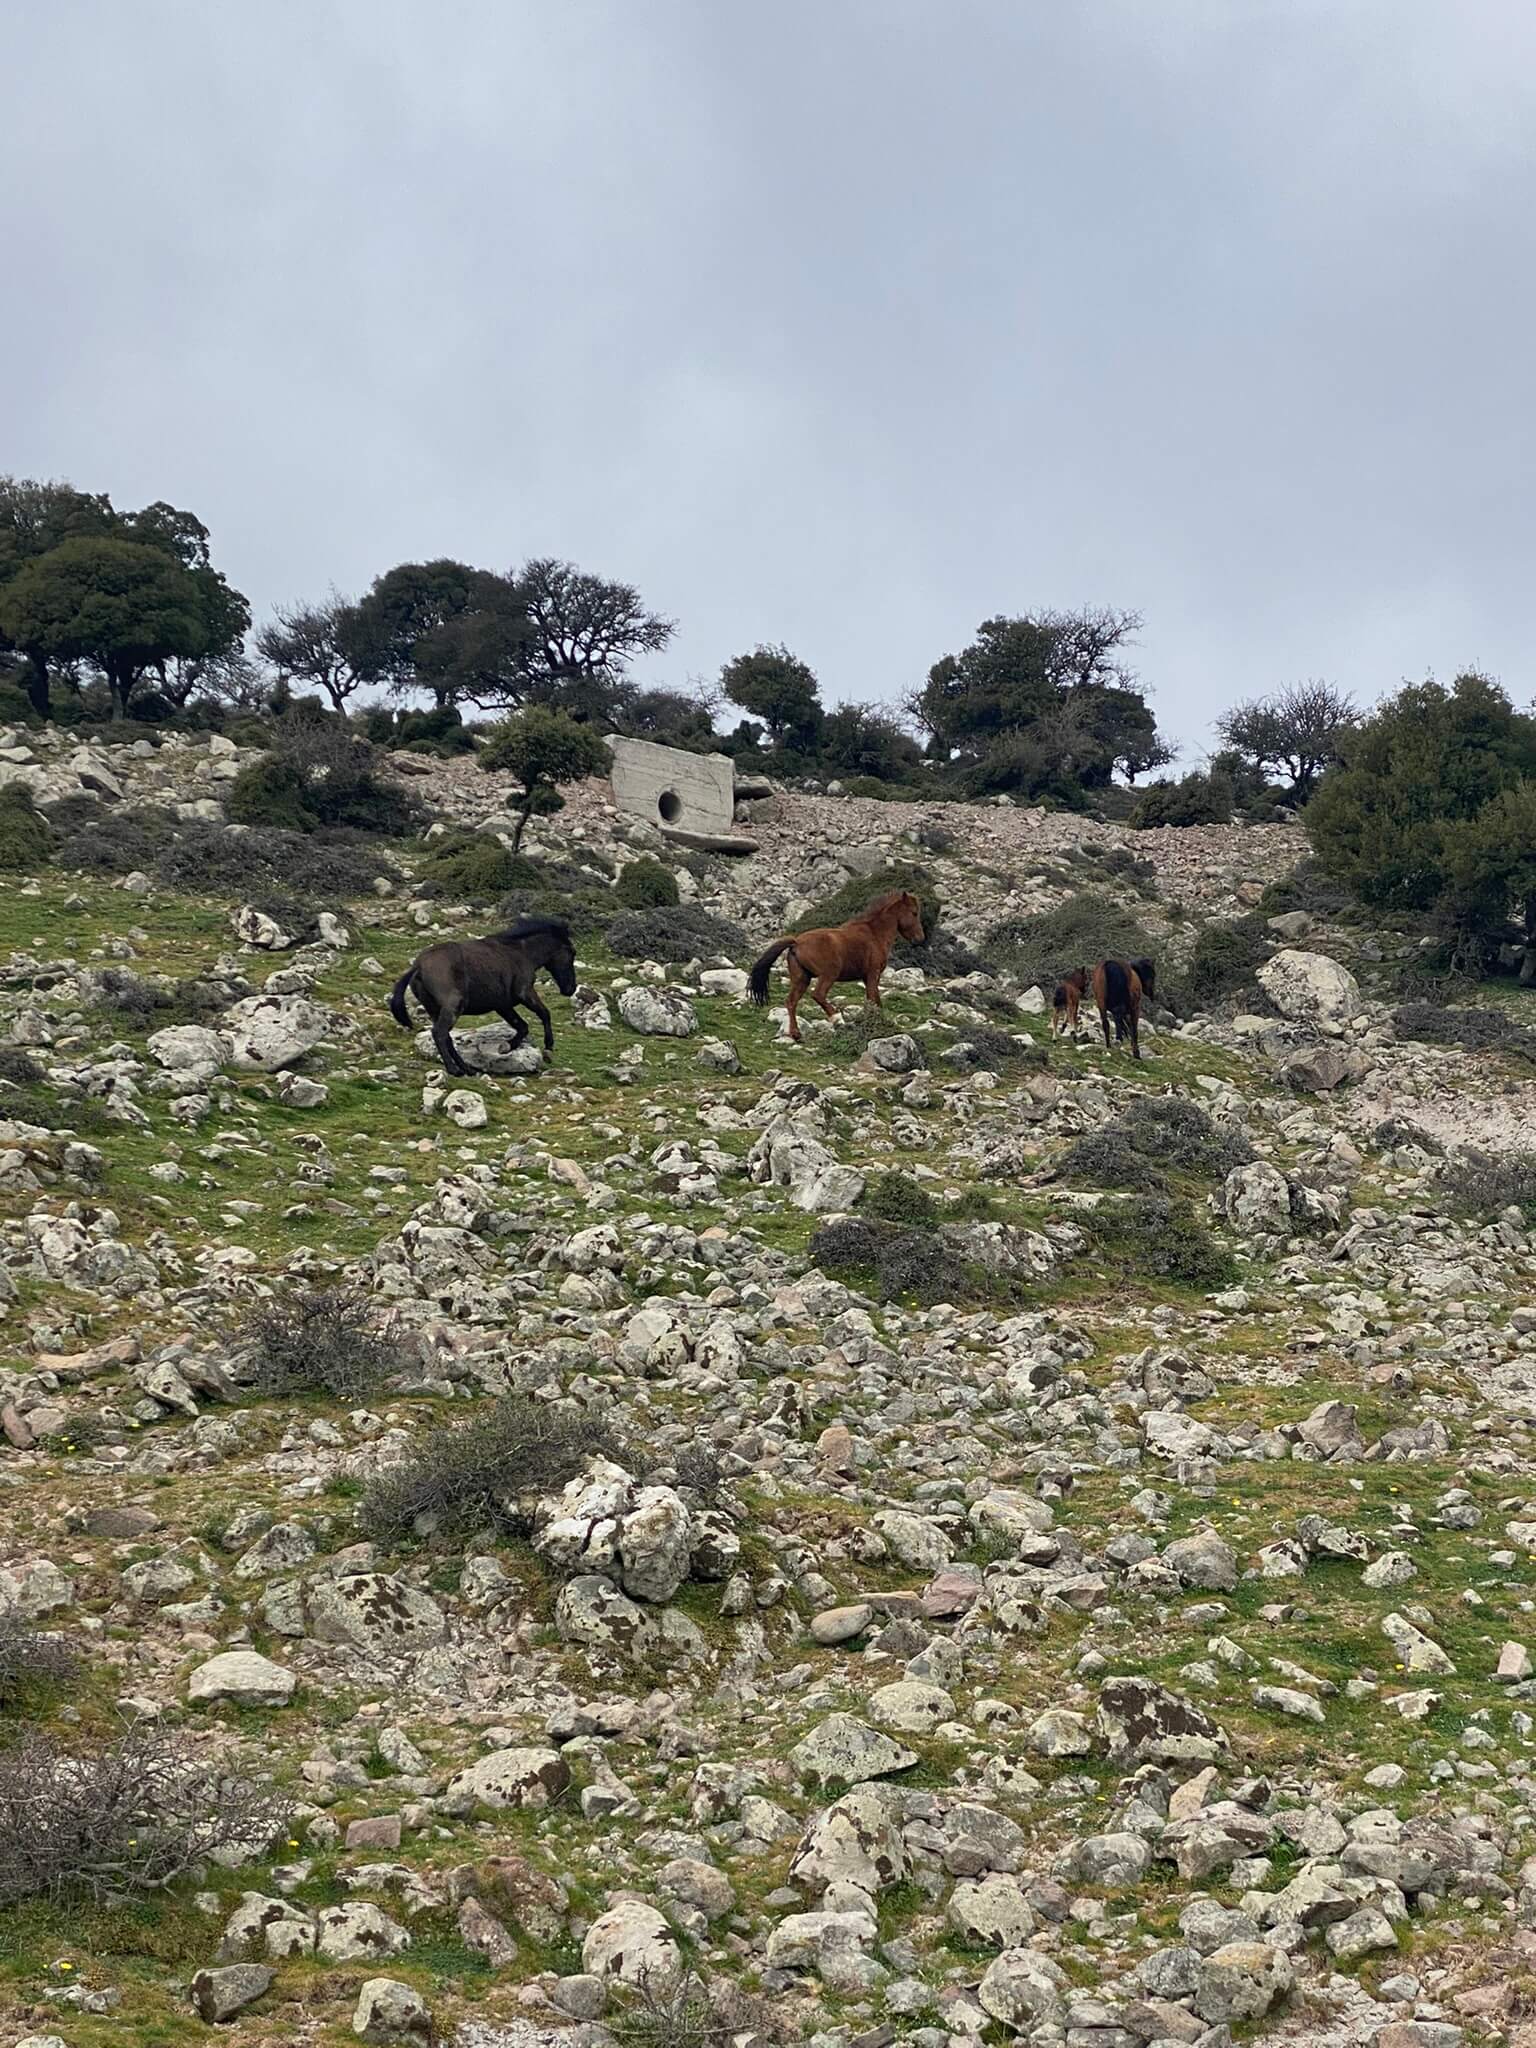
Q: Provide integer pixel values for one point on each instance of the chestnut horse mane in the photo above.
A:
(880, 903)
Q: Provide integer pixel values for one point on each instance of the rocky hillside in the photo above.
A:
(931, 1536)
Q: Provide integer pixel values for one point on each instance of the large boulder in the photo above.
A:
(508, 1778)
(391, 2012)
(658, 1013)
(267, 1033)
(373, 1612)
(190, 1052)
(242, 1675)
(488, 1049)
(1257, 1199)
(605, 1521)
(1311, 989)
(856, 1840)
(843, 1749)
(790, 1155)
(633, 1943)
(218, 1996)
(1025, 1991)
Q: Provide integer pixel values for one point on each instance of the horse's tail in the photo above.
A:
(757, 980)
(397, 1009)
(1059, 997)
(1146, 974)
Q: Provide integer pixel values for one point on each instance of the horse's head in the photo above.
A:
(909, 918)
(562, 965)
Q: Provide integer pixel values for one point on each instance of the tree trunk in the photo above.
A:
(38, 684)
(524, 814)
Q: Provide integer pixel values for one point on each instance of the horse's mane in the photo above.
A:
(880, 903)
(533, 928)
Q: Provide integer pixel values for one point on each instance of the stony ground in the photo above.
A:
(1091, 1659)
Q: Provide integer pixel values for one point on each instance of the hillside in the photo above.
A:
(947, 1536)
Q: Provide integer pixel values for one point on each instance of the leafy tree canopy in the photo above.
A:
(540, 749)
(1296, 732)
(777, 687)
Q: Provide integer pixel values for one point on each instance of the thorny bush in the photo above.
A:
(330, 1341)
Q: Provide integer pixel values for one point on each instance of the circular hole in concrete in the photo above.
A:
(670, 805)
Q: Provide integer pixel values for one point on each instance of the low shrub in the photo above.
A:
(683, 932)
(898, 1198)
(646, 885)
(1195, 799)
(32, 1664)
(25, 840)
(331, 1341)
(1306, 888)
(1125, 866)
(857, 895)
(96, 839)
(895, 1260)
(140, 1004)
(1157, 1131)
(1484, 1184)
(1154, 1237)
(475, 866)
(1084, 928)
(1224, 963)
(131, 1814)
(324, 868)
(693, 2014)
(985, 1046)
(1474, 1029)
(474, 1475)
(318, 774)
(27, 1097)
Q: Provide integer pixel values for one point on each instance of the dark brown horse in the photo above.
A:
(856, 951)
(1069, 993)
(1117, 991)
(467, 977)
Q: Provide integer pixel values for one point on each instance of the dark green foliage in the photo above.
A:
(944, 956)
(25, 840)
(133, 1813)
(684, 932)
(1484, 1184)
(27, 1098)
(1431, 810)
(331, 1341)
(1195, 799)
(440, 731)
(1436, 1024)
(209, 860)
(894, 1261)
(1158, 1132)
(1307, 887)
(318, 775)
(32, 1665)
(1155, 1237)
(868, 743)
(476, 867)
(1296, 732)
(993, 1049)
(540, 749)
(898, 1198)
(1125, 866)
(857, 895)
(646, 885)
(1224, 962)
(477, 1474)
(1085, 928)
(777, 687)
(18, 1069)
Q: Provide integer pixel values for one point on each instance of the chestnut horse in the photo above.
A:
(1069, 992)
(1118, 987)
(856, 951)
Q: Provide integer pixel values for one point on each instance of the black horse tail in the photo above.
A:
(1059, 996)
(397, 1009)
(757, 980)
(1146, 974)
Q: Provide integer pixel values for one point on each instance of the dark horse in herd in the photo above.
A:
(468, 977)
(471, 977)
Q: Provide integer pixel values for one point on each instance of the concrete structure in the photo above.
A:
(675, 790)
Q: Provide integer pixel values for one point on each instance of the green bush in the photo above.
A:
(646, 885)
(32, 1665)
(1195, 799)
(1224, 962)
(1084, 928)
(25, 840)
(477, 1474)
(318, 775)
(1157, 1131)
(893, 1261)
(685, 932)
(475, 866)
(1154, 1237)
(1482, 1185)
(1306, 888)
(898, 1198)
(1476, 1030)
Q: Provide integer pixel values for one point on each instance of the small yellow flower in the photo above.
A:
(62, 1965)
(293, 1841)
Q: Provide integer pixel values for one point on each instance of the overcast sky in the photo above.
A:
(846, 323)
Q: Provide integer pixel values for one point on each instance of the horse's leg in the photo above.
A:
(1135, 1028)
(799, 982)
(872, 986)
(442, 1037)
(534, 1002)
(824, 984)
(508, 1015)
